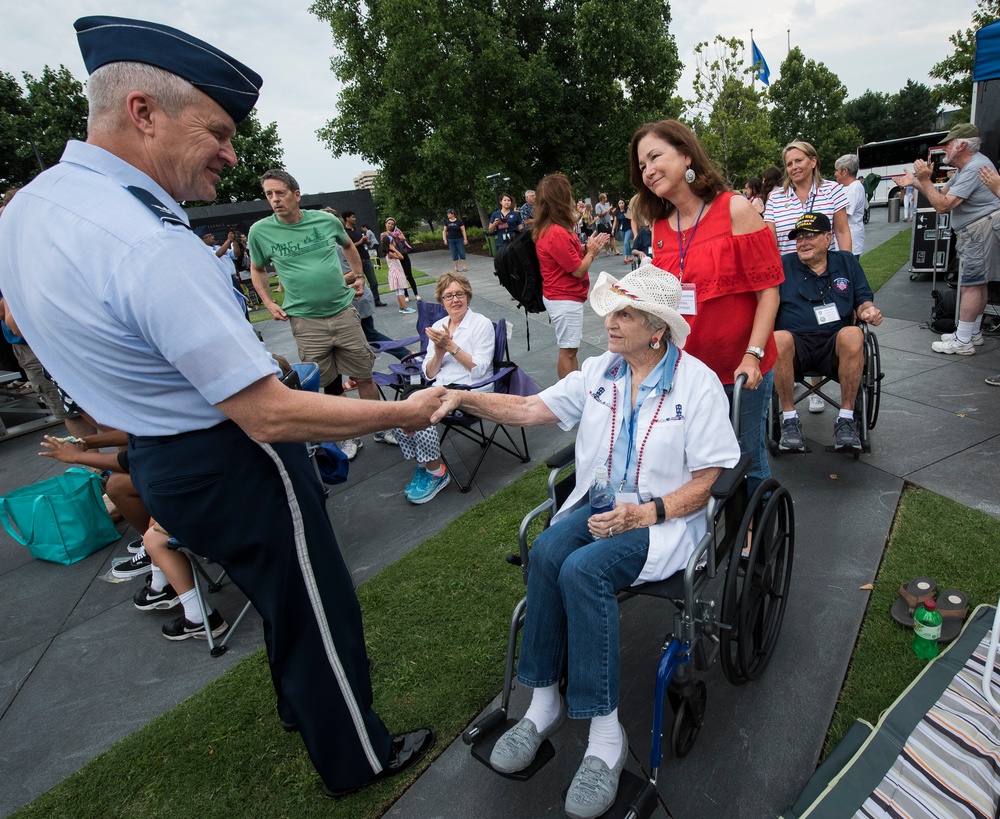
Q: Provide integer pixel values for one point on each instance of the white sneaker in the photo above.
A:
(816, 404)
(350, 447)
(953, 347)
(977, 338)
(386, 437)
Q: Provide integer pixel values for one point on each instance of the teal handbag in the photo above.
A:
(61, 519)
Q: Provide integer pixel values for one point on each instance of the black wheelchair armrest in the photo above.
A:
(563, 458)
(731, 479)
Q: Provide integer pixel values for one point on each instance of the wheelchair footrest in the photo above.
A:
(483, 747)
(635, 800)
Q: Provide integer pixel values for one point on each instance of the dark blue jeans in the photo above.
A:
(753, 418)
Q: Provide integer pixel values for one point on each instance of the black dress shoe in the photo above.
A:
(405, 751)
(291, 727)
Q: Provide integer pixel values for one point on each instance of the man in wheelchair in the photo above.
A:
(657, 422)
(823, 293)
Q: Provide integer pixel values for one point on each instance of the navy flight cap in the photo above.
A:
(106, 40)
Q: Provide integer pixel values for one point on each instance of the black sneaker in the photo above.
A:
(146, 599)
(134, 547)
(846, 436)
(140, 563)
(181, 628)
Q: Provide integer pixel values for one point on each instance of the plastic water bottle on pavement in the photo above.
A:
(926, 630)
(602, 495)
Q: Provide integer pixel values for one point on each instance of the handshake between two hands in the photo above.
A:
(430, 405)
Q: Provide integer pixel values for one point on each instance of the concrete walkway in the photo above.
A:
(80, 667)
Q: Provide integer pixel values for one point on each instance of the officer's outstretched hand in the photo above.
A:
(424, 408)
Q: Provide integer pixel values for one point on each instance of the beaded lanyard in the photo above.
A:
(642, 446)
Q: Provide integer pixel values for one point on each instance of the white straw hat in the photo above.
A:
(648, 289)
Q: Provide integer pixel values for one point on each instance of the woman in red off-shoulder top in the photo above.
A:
(717, 244)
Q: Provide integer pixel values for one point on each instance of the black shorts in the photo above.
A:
(815, 353)
(604, 229)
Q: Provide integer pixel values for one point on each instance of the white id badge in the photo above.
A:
(626, 497)
(688, 305)
(825, 313)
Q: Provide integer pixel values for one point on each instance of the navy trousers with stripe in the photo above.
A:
(258, 511)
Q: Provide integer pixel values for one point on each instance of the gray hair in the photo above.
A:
(972, 144)
(652, 321)
(849, 163)
(110, 84)
(527, 194)
(279, 175)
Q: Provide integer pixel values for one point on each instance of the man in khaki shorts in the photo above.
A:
(302, 246)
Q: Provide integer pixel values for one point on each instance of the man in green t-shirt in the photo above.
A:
(302, 246)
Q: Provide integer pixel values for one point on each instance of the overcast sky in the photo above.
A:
(869, 44)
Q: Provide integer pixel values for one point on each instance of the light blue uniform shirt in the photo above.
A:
(132, 316)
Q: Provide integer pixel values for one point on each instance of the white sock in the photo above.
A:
(788, 416)
(965, 331)
(158, 581)
(192, 611)
(977, 325)
(605, 741)
(846, 413)
(545, 705)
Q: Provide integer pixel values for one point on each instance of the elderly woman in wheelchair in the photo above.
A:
(658, 422)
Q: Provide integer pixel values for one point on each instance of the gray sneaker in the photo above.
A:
(846, 436)
(791, 436)
(595, 785)
(386, 437)
(516, 749)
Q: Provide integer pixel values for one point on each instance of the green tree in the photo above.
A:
(809, 105)
(732, 122)
(55, 112)
(258, 149)
(913, 110)
(443, 95)
(871, 115)
(15, 160)
(955, 71)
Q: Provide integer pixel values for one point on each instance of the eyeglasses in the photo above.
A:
(454, 296)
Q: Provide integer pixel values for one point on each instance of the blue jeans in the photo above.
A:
(753, 417)
(572, 581)
(628, 242)
(457, 248)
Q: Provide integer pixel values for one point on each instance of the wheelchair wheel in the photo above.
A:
(872, 379)
(774, 424)
(757, 583)
(689, 714)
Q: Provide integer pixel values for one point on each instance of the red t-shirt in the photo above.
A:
(559, 254)
(727, 272)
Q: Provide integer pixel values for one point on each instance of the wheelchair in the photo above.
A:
(729, 602)
(866, 405)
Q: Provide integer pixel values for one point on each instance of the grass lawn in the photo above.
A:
(381, 274)
(931, 537)
(882, 262)
(436, 624)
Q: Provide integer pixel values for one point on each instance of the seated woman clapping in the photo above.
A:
(459, 351)
(658, 421)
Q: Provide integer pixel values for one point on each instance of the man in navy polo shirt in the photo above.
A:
(823, 292)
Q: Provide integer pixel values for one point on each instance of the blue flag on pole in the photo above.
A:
(763, 72)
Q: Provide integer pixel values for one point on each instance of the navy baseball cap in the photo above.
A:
(106, 40)
(810, 223)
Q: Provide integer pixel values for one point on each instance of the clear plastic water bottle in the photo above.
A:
(926, 630)
(602, 495)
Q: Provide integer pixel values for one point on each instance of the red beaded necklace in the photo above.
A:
(642, 446)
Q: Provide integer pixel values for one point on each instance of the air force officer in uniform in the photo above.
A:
(99, 244)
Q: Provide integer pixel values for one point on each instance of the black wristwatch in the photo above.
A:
(661, 514)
